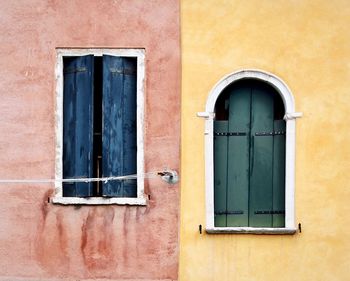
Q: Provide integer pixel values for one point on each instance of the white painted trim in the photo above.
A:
(99, 201)
(206, 114)
(271, 79)
(140, 88)
(292, 115)
(209, 114)
(252, 230)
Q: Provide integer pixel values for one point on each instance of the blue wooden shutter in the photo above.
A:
(78, 124)
(119, 125)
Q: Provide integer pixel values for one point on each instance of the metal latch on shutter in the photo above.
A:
(74, 70)
(126, 71)
(230, 213)
(269, 212)
(230, 134)
(267, 134)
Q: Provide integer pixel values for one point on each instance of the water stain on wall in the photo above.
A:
(68, 236)
(52, 236)
(97, 239)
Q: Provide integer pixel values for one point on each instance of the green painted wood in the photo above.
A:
(238, 157)
(220, 173)
(260, 195)
(279, 150)
(255, 162)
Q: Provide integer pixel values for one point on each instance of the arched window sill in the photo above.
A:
(250, 230)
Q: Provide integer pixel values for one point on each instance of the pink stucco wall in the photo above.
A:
(42, 240)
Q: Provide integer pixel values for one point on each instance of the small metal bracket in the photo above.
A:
(169, 176)
(206, 115)
(269, 212)
(292, 115)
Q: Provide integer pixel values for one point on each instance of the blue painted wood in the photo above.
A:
(119, 148)
(78, 124)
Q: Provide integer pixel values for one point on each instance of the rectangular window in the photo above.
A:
(99, 125)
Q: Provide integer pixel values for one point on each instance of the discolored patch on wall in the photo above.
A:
(97, 239)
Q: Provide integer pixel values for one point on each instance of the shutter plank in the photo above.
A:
(238, 157)
(220, 173)
(129, 126)
(78, 124)
(119, 125)
(260, 197)
(279, 174)
(69, 108)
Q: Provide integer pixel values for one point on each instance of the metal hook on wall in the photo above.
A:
(169, 176)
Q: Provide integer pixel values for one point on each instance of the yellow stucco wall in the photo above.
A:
(306, 44)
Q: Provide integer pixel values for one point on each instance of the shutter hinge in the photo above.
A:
(267, 134)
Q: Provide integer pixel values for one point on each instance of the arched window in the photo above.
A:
(249, 156)
(250, 147)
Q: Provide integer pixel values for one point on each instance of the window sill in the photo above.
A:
(99, 201)
(251, 230)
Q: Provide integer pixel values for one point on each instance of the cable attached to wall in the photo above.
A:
(169, 176)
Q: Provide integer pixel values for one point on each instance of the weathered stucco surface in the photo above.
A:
(307, 44)
(42, 240)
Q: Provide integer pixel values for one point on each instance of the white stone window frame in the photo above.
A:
(289, 117)
(139, 54)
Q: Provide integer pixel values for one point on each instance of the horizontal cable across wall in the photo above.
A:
(163, 174)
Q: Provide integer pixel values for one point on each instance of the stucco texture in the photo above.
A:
(306, 44)
(39, 240)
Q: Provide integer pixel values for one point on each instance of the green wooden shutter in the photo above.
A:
(220, 172)
(238, 157)
(279, 151)
(231, 153)
(78, 124)
(249, 160)
(261, 169)
(119, 125)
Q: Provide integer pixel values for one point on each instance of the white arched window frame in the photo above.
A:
(289, 117)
